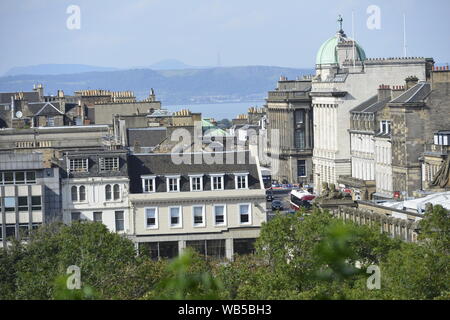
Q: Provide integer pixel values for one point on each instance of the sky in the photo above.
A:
(288, 33)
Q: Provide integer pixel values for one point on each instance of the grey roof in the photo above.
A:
(371, 105)
(31, 96)
(146, 137)
(45, 109)
(415, 94)
(161, 164)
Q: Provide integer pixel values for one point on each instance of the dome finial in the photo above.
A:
(340, 20)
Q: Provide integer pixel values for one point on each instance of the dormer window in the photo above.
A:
(148, 184)
(109, 164)
(78, 165)
(217, 181)
(241, 180)
(196, 182)
(173, 183)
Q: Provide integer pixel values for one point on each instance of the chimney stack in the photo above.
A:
(384, 92)
(411, 81)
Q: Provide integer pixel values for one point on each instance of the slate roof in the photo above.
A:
(161, 164)
(31, 96)
(45, 109)
(146, 137)
(418, 93)
(371, 105)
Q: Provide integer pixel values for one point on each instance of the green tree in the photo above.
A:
(101, 255)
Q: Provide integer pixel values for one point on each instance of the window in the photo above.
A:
(82, 193)
(50, 121)
(385, 126)
(9, 177)
(98, 216)
(244, 246)
(74, 193)
(299, 117)
(151, 216)
(108, 193)
(36, 203)
(119, 221)
(75, 216)
(10, 231)
(175, 217)
(23, 203)
(299, 138)
(219, 214)
(198, 216)
(301, 168)
(241, 181)
(109, 164)
(20, 177)
(196, 183)
(78, 165)
(244, 213)
(31, 176)
(116, 192)
(173, 184)
(10, 204)
(23, 230)
(217, 182)
(148, 184)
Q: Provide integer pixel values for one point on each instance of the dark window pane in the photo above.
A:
(9, 177)
(168, 249)
(31, 177)
(76, 216)
(36, 203)
(108, 192)
(119, 221)
(74, 193)
(10, 231)
(20, 177)
(244, 246)
(82, 193)
(116, 192)
(23, 203)
(215, 248)
(197, 245)
(98, 217)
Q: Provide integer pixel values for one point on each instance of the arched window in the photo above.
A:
(108, 192)
(82, 193)
(116, 192)
(74, 193)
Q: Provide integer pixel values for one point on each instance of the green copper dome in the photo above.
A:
(327, 53)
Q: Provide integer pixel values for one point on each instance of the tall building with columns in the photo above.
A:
(344, 79)
(290, 131)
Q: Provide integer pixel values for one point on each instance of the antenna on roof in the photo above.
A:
(353, 36)
(404, 36)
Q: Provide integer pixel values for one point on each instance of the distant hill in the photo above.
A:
(207, 85)
(170, 64)
(53, 69)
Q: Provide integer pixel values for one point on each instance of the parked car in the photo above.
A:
(277, 205)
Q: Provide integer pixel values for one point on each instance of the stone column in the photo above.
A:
(307, 130)
(229, 249)
(181, 246)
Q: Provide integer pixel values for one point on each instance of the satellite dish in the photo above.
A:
(19, 114)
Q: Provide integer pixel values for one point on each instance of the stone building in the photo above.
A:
(215, 208)
(290, 130)
(101, 105)
(95, 187)
(344, 79)
(436, 163)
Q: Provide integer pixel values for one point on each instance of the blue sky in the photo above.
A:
(245, 32)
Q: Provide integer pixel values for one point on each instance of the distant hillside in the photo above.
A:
(171, 86)
(170, 64)
(53, 69)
